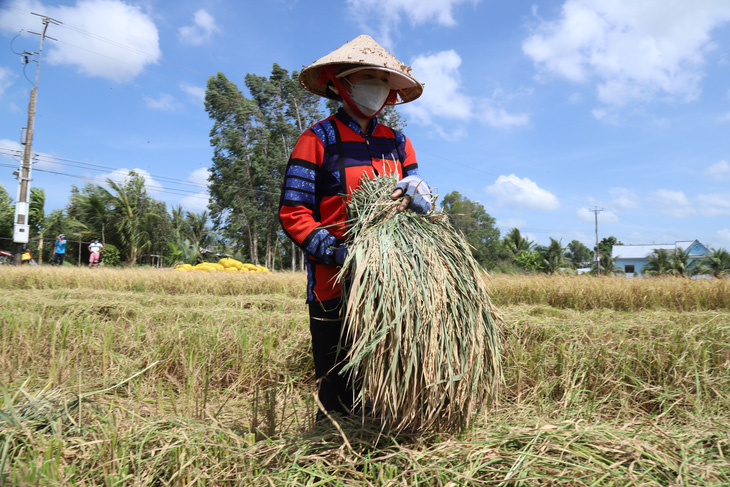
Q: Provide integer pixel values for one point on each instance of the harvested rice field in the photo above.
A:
(152, 377)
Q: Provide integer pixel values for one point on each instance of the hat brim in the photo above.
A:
(309, 79)
(362, 53)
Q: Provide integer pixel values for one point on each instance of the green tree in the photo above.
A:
(93, 207)
(606, 244)
(58, 222)
(577, 253)
(37, 217)
(531, 261)
(660, 263)
(477, 226)
(605, 253)
(553, 256)
(130, 207)
(110, 256)
(682, 265)
(7, 214)
(514, 243)
(123, 216)
(191, 232)
(717, 263)
(252, 140)
(179, 247)
(235, 188)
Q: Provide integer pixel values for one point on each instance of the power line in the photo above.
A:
(101, 167)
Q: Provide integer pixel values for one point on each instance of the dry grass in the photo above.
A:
(154, 281)
(599, 396)
(620, 293)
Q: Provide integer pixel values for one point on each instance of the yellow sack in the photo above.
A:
(228, 262)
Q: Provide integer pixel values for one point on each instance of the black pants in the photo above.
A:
(335, 389)
(58, 258)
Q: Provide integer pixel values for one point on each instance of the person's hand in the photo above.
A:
(340, 255)
(417, 194)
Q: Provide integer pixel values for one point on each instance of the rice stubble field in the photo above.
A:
(151, 377)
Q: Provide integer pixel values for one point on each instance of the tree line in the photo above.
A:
(134, 227)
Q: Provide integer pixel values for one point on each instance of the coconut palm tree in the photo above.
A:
(660, 263)
(37, 214)
(516, 244)
(95, 210)
(682, 265)
(130, 204)
(553, 255)
(717, 263)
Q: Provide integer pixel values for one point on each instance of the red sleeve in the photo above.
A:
(299, 199)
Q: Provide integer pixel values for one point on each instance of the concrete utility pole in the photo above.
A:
(598, 254)
(21, 228)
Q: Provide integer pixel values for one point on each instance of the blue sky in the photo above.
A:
(542, 111)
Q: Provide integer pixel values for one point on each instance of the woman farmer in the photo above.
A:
(328, 161)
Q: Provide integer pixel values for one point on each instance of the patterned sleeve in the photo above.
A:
(407, 154)
(298, 202)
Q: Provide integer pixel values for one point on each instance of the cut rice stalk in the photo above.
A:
(424, 333)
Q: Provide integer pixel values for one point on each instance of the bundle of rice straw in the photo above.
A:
(425, 335)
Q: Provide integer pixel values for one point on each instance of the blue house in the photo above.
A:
(632, 258)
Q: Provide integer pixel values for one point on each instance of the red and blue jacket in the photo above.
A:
(327, 164)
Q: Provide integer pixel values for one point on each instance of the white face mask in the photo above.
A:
(369, 95)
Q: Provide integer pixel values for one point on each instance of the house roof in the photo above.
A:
(638, 251)
(645, 250)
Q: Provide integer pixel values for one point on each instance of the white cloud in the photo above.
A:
(390, 12)
(672, 203)
(719, 171)
(197, 202)
(197, 93)
(120, 176)
(607, 216)
(679, 205)
(202, 30)
(164, 102)
(608, 116)
(724, 235)
(11, 150)
(672, 197)
(105, 38)
(717, 204)
(498, 117)
(6, 77)
(513, 191)
(444, 96)
(632, 50)
(724, 117)
(200, 176)
(623, 199)
(575, 98)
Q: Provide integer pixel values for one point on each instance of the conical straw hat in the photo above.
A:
(360, 53)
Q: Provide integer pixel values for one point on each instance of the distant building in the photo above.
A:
(632, 258)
